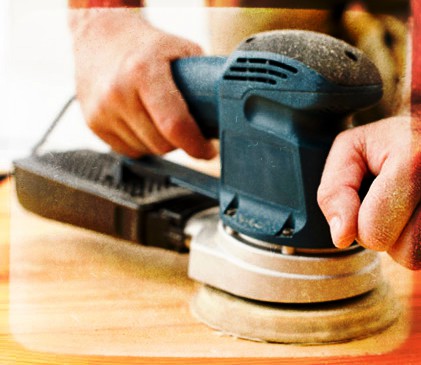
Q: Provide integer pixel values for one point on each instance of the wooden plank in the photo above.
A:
(77, 297)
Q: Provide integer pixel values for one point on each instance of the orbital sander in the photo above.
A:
(257, 240)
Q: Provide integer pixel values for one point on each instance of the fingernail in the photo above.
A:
(335, 229)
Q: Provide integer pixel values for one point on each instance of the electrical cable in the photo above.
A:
(52, 126)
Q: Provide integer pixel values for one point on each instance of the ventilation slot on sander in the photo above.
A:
(259, 70)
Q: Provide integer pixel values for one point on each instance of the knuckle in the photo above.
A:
(194, 49)
(324, 196)
(345, 137)
(99, 116)
(189, 48)
(112, 96)
(99, 120)
(94, 119)
(94, 124)
(134, 64)
(352, 139)
(171, 128)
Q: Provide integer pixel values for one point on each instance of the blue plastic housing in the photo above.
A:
(276, 117)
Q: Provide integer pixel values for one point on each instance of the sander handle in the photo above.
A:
(197, 79)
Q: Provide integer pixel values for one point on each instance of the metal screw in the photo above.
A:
(287, 232)
(287, 250)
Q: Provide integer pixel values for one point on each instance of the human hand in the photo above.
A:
(389, 217)
(125, 85)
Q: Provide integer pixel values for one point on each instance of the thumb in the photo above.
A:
(337, 195)
(390, 150)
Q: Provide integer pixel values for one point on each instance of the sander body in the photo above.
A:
(275, 104)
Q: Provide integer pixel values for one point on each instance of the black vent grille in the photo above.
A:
(259, 70)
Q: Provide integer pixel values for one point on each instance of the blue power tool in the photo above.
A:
(276, 104)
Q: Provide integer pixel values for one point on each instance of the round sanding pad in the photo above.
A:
(337, 321)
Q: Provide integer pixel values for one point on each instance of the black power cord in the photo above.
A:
(52, 126)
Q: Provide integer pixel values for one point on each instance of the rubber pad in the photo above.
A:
(338, 321)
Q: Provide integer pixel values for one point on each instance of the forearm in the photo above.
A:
(77, 4)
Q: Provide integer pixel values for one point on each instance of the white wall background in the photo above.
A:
(4, 45)
(36, 69)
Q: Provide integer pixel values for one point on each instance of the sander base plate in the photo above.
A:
(258, 270)
(318, 323)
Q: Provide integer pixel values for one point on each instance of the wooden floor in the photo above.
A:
(68, 296)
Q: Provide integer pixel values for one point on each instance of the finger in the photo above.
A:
(120, 138)
(122, 113)
(140, 124)
(407, 250)
(388, 206)
(338, 191)
(172, 117)
(121, 147)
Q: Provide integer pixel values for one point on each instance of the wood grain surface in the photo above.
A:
(69, 296)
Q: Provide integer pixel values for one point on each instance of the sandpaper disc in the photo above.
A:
(337, 321)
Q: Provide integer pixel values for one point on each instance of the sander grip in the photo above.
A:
(197, 79)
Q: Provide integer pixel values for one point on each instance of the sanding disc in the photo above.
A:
(337, 321)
